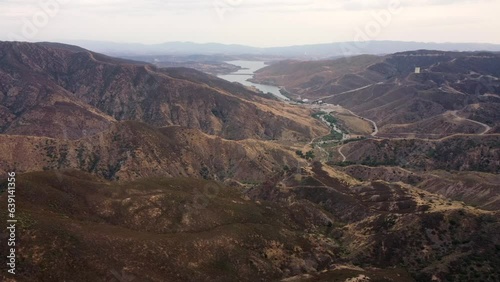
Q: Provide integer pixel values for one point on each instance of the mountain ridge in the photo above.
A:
(449, 88)
(325, 50)
(125, 90)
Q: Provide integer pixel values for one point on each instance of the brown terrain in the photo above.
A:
(386, 224)
(213, 68)
(454, 93)
(131, 150)
(129, 172)
(460, 153)
(312, 79)
(57, 85)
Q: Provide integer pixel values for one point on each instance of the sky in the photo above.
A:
(259, 23)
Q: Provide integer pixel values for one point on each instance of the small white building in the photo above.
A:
(417, 70)
(305, 100)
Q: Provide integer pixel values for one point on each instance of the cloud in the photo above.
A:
(10, 9)
(16, 8)
(254, 22)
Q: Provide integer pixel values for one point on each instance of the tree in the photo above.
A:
(310, 155)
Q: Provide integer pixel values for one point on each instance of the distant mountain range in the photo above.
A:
(326, 50)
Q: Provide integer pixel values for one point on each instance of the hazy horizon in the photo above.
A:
(260, 23)
(69, 41)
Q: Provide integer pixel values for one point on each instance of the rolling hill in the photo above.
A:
(46, 83)
(132, 150)
(315, 224)
(453, 93)
(126, 171)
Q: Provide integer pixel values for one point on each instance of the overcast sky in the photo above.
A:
(260, 23)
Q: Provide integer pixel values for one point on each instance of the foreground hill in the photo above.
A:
(313, 224)
(131, 150)
(82, 228)
(395, 224)
(44, 84)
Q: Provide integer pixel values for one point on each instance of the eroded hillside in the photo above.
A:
(47, 86)
(127, 170)
(453, 93)
(131, 150)
(161, 229)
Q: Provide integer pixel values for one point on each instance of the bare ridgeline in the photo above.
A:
(127, 172)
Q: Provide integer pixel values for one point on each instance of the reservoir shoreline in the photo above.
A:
(248, 69)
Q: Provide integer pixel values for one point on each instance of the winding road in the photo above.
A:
(375, 127)
(375, 132)
(345, 92)
(487, 128)
(339, 149)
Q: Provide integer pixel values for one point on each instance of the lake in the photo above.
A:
(247, 72)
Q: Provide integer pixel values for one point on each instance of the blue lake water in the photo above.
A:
(247, 71)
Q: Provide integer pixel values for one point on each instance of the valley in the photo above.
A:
(165, 173)
(246, 71)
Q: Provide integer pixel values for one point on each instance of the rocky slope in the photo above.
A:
(65, 107)
(167, 230)
(451, 88)
(473, 188)
(459, 153)
(393, 224)
(124, 171)
(32, 74)
(131, 150)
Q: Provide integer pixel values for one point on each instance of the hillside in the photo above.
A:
(454, 93)
(146, 229)
(459, 153)
(477, 189)
(125, 170)
(131, 150)
(386, 224)
(313, 78)
(161, 229)
(44, 83)
(461, 167)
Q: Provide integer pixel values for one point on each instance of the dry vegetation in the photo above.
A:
(175, 175)
(355, 125)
